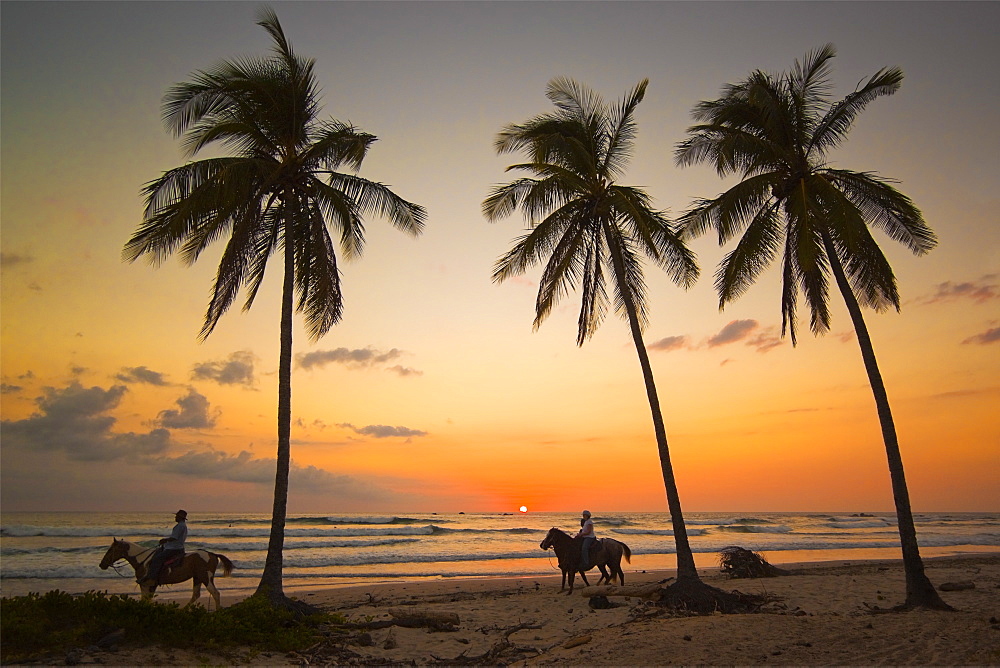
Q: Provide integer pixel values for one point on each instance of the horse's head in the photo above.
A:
(550, 538)
(118, 550)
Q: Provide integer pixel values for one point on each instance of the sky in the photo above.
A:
(434, 393)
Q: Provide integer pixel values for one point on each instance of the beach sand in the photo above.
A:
(824, 614)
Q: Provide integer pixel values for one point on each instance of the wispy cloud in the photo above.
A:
(748, 331)
(7, 388)
(981, 290)
(237, 369)
(383, 431)
(140, 374)
(359, 358)
(736, 330)
(9, 260)
(669, 343)
(991, 335)
(404, 371)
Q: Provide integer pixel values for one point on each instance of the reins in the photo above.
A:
(117, 563)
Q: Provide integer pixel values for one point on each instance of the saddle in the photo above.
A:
(172, 561)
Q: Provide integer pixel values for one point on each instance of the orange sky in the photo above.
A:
(434, 394)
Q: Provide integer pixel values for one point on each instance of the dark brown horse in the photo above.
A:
(199, 566)
(568, 549)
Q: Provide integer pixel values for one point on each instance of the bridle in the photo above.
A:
(117, 563)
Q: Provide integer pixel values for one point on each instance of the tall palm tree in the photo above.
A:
(589, 230)
(279, 189)
(774, 132)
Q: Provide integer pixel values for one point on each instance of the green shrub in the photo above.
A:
(39, 624)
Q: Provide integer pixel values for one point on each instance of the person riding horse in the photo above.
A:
(589, 538)
(170, 547)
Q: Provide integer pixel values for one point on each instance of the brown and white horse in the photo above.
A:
(567, 551)
(199, 565)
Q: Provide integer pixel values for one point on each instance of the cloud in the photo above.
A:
(140, 374)
(14, 259)
(6, 388)
(989, 336)
(404, 371)
(669, 343)
(193, 413)
(981, 290)
(359, 358)
(244, 467)
(236, 370)
(766, 340)
(736, 330)
(74, 419)
(383, 431)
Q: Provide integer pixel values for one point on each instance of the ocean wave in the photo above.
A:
(344, 519)
(860, 524)
(259, 546)
(754, 528)
(515, 530)
(658, 532)
(725, 520)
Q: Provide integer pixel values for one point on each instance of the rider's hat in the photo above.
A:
(587, 513)
(183, 513)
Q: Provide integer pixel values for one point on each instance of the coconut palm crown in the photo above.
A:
(279, 188)
(774, 133)
(590, 231)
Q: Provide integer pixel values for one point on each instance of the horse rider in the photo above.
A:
(587, 533)
(170, 547)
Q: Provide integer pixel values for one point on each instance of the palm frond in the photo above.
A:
(885, 208)
(753, 253)
(832, 129)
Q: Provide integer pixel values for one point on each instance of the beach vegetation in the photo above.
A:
(279, 189)
(40, 625)
(774, 133)
(591, 231)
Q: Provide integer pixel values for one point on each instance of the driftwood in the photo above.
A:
(647, 591)
(437, 621)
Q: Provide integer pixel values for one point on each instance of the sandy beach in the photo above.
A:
(829, 613)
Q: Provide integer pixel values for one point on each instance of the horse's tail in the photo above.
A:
(628, 552)
(227, 566)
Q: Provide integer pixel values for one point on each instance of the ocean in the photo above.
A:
(44, 551)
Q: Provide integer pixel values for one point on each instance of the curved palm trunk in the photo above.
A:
(685, 558)
(919, 590)
(271, 579)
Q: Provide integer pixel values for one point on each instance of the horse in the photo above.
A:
(199, 565)
(567, 551)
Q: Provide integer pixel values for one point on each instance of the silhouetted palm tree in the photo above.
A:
(774, 132)
(278, 191)
(589, 230)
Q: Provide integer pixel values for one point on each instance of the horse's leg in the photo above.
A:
(214, 591)
(196, 579)
(604, 575)
(572, 579)
(147, 591)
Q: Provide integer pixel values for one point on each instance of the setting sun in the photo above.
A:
(523, 509)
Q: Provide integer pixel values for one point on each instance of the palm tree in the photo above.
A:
(774, 132)
(590, 230)
(278, 190)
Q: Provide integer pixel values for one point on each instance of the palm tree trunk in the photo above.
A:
(271, 584)
(685, 558)
(919, 590)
